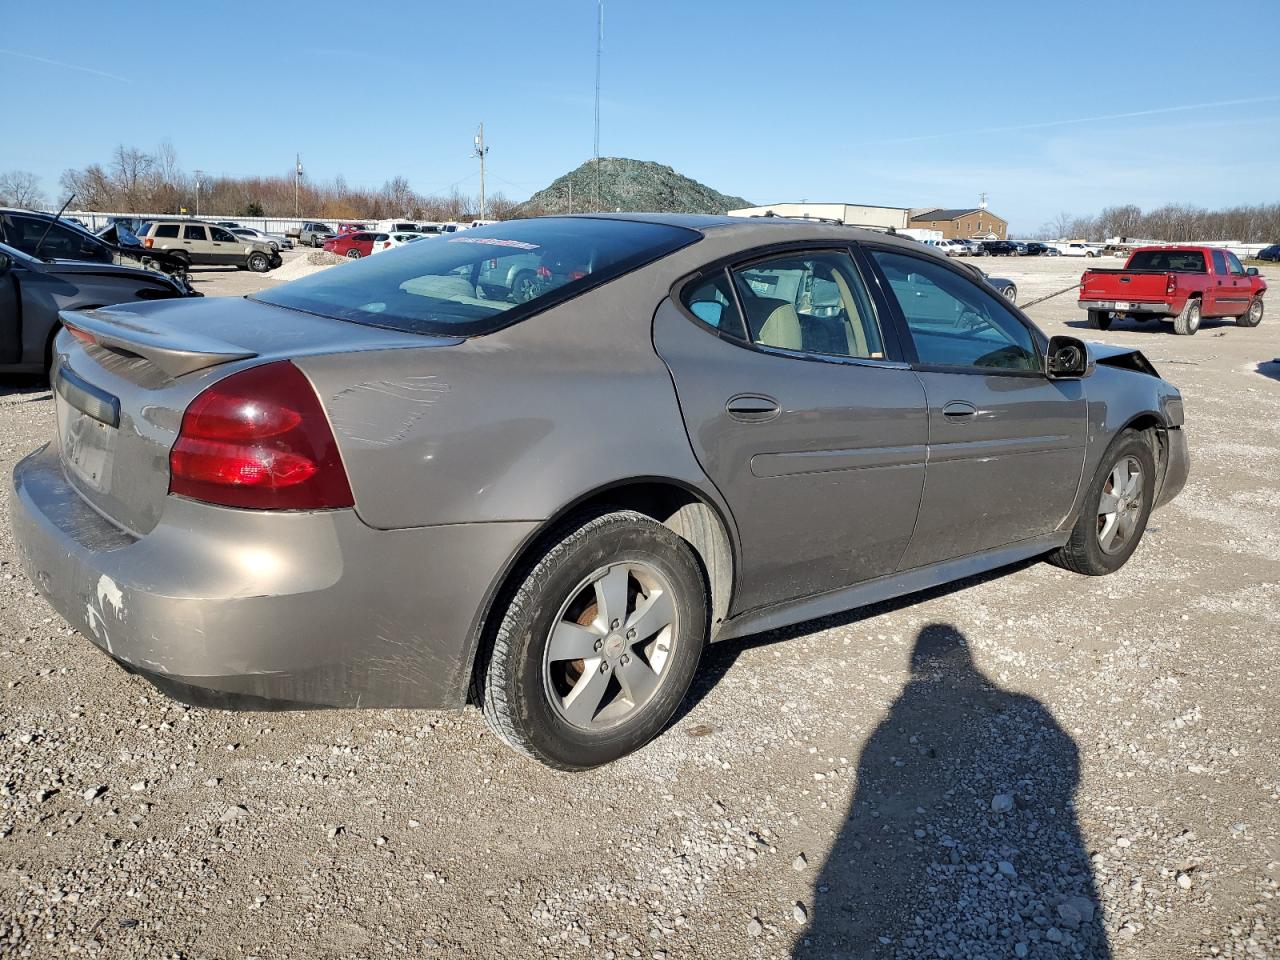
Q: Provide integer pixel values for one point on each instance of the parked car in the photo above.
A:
(969, 248)
(558, 503)
(394, 240)
(45, 236)
(395, 226)
(948, 248)
(276, 241)
(351, 228)
(1076, 250)
(314, 234)
(1271, 253)
(1183, 284)
(32, 291)
(1035, 248)
(513, 278)
(354, 245)
(203, 244)
(999, 248)
(229, 224)
(1005, 287)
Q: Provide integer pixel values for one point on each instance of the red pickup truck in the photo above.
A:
(1179, 283)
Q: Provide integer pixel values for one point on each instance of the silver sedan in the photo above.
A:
(381, 486)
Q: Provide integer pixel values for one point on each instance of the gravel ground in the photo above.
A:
(1032, 764)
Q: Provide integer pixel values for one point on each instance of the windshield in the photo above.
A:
(478, 280)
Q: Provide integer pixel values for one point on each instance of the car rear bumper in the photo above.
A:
(1130, 306)
(249, 607)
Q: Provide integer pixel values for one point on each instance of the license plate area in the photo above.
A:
(1123, 305)
(86, 445)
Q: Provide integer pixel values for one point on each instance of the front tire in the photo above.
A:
(1116, 508)
(1099, 320)
(353, 254)
(1253, 315)
(1188, 321)
(599, 643)
(259, 262)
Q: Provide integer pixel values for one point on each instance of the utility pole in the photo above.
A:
(599, 49)
(481, 150)
(297, 181)
(199, 174)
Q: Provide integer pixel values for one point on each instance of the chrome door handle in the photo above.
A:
(752, 408)
(959, 411)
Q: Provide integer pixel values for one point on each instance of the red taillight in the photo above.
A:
(1170, 284)
(82, 335)
(148, 242)
(385, 244)
(259, 439)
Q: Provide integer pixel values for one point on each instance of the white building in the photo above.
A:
(851, 214)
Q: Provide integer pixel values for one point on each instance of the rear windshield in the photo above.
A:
(476, 281)
(1175, 261)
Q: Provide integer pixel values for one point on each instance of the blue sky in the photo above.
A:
(1045, 106)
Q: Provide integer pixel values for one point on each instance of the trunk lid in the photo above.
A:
(124, 379)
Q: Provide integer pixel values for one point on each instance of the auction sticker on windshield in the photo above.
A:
(495, 242)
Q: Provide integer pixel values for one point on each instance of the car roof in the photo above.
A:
(757, 230)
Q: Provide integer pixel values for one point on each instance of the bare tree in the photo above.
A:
(19, 188)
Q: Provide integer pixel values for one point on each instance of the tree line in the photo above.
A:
(138, 181)
(1172, 223)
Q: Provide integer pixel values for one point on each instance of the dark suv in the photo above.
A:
(999, 248)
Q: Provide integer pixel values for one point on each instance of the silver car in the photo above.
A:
(374, 487)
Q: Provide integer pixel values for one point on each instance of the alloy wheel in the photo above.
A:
(610, 645)
(1120, 507)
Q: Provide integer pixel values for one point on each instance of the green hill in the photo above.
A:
(629, 185)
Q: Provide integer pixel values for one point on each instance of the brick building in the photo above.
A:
(962, 224)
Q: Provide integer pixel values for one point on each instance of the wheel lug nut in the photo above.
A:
(631, 634)
(598, 645)
(616, 624)
(604, 667)
(626, 659)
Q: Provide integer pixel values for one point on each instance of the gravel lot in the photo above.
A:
(1033, 764)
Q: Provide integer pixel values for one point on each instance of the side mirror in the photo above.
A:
(1252, 271)
(1067, 358)
(708, 311)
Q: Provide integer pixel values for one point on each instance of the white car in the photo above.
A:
(390, 241)
(1076, 249)
(276, 241)
(395, 226)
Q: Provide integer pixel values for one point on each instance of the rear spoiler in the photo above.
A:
(174, 353)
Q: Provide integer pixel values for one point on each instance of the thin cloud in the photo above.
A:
(1065, 123)
(66, 66)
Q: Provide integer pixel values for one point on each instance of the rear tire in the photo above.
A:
(353, 254)
(1188, 321)
(575, 714)
(1122, 516)
(1253, 315)
(1099, 319)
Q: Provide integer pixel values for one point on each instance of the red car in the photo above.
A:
(352, 227)
(1182, 283)
(353, 245)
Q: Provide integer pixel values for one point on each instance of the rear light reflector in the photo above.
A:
(1170, 284)
(259, 439)
(82, 335)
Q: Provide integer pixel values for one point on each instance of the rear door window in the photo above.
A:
(434, 288)
(194, 232)
(810, 302)
(710, 299)
(166, 231)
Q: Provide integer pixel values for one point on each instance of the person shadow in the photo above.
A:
(961, 839)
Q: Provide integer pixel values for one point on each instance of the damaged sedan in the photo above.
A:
(390, 484)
